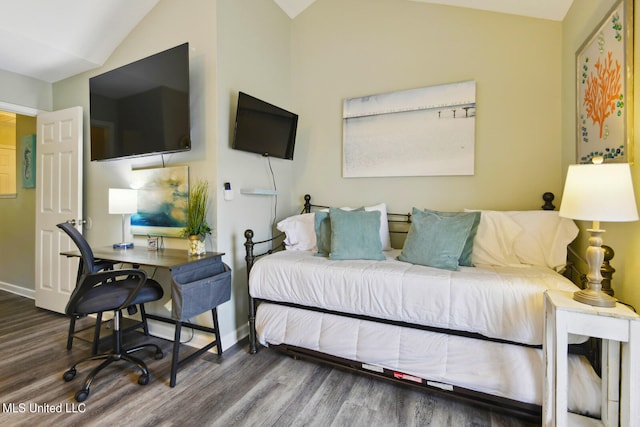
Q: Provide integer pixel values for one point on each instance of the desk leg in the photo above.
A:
(630, 409)
(174, 357)
(143, 317)
(214, 314)
(72, 330)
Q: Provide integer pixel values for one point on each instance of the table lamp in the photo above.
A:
(598, 192)
(123, 201)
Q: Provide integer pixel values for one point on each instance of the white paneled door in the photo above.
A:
(58, 199)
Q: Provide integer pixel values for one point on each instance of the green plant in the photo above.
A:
(197, 211)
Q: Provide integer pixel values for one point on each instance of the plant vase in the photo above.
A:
(196, 246)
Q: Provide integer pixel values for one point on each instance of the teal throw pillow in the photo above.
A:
(467, 251)
(436, 241)
(323, 233)
(355, 235)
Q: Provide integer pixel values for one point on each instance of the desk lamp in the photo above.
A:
(123, 201)
(598, 192)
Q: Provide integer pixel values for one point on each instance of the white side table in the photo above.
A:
(619, 327)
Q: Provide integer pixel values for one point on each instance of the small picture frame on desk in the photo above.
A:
(152, 243)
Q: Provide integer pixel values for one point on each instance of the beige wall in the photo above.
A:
(253, 56)
(624, 238)
(363, 47)
(253, 40)
(169, 24)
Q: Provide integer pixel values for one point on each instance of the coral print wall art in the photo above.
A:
(605, 77)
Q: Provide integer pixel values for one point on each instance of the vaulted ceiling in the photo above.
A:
(51, 40)
(544, 9)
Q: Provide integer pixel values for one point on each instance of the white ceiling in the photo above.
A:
(51, 40)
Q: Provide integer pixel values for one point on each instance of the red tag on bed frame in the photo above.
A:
(401, 376)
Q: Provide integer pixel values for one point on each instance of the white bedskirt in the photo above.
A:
(506, 370)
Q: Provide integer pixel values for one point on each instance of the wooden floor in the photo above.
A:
(266, 389)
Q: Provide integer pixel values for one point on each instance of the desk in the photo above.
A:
(199, 284)
(620, 384)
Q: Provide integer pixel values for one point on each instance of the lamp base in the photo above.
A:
(595, 298)
(123, 245)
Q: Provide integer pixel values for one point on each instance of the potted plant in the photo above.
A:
(197, 227)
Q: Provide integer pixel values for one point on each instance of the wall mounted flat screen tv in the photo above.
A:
(264, 129)
(142, 108)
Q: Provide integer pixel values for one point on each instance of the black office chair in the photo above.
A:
(100, 265)
(103, 291)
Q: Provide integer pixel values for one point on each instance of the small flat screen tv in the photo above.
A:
(142, 108)
(264, 129)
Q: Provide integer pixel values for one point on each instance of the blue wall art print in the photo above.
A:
(163, 194)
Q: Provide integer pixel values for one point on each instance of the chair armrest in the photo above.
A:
(90, 280)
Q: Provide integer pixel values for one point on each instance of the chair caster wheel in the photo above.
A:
(159, 355)
(143, 379)
(82, 395)
(69, 375)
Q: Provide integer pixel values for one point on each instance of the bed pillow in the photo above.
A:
(384, 223)
(495, 239)
(300, 232)
(436, 240)
(355, 234)
(466, 256)
(544, 239)
(322, 231)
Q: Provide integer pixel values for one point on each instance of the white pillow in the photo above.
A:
(300, 231)
(545, 238)
(384, 223)
(495, 239)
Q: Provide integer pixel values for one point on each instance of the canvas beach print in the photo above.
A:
(162, 201)
(418, 132)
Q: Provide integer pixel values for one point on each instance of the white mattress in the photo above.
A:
(506, 370)
(497, 302)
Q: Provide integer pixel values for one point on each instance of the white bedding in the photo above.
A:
(506, 370)
(497, 302)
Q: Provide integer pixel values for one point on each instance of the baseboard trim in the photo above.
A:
(18, 290)
(198, 339)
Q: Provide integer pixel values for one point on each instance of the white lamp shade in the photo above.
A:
(123, 201)
(599, 192)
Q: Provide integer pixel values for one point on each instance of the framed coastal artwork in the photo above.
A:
(604, 67)
(163, 194)
(427, 131)
(28, 155)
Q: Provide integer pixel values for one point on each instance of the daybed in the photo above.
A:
(458, 310)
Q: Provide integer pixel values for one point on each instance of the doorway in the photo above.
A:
(17, 215)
